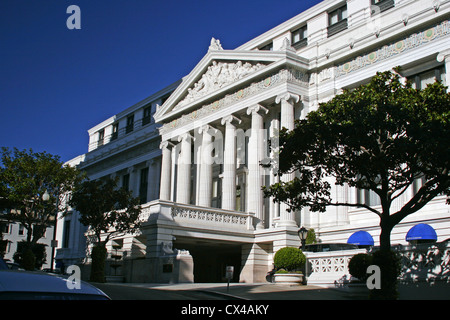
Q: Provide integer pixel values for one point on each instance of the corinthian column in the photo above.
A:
(206, 162)
(229, 164)
(287, 101)
(166, 170)
(184, 169)
(255, 171)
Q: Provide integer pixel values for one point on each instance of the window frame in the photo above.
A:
(341, 24)
(303, 37)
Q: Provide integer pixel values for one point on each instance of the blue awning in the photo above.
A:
(361, 238)
(421, 231)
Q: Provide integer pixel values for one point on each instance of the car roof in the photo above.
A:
(29, 281)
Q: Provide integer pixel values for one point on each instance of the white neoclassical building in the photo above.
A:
(192, 151)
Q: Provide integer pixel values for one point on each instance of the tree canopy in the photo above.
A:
(381, 137)
(107, 210)
(25, 176)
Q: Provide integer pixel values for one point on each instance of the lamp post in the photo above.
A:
(46, 197)
(302, 234)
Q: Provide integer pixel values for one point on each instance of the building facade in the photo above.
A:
(192, 151)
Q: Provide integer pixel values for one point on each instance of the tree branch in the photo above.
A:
(357, 205)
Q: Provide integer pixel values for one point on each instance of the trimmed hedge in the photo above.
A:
(289, 258)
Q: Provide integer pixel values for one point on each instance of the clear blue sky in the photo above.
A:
(57, 83)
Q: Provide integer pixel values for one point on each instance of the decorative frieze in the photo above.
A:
(412, 41)
(285, 75)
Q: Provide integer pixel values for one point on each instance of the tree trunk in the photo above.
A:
(388, 263)
(98, 263)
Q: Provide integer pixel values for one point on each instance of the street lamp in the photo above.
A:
(46, 197)
(302, 234)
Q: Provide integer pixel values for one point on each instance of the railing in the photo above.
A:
(191, 215)
(329, 268)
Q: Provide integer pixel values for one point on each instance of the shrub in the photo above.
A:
(358, 264)
(289, 258)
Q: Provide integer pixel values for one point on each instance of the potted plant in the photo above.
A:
(288, 261)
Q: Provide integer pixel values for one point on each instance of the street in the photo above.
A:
(124, 292)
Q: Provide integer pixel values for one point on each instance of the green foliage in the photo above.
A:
(106, 209)
(311, 237)
(30, 256)
(24, 177)
(380, 137)
(98, 256)
(289, 258)
(358, 264)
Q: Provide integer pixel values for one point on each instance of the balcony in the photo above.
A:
(191, 216)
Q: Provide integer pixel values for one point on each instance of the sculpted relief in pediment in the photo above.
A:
(217, 76)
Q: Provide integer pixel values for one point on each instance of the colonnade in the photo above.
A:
(178, 188)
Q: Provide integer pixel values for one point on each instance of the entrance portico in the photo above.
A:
(218, 127)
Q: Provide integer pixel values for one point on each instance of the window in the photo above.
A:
(115, 131)
(21, 230)
(368, 197)
(300, 37)
(66, 234)
(337, 21)
(130, 124)
(421, 80)
(143, 186)
(147, 115)
(101, 137)
(4, 226)
(126, 181)
(382, 5)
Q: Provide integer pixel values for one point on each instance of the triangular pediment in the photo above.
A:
(218, 71)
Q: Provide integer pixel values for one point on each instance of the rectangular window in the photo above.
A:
(21, 230)
(300, 37)
(130, 124)
(115, 131)
(421, 80)
(143, 186)
(147, 115)
(337, 21)
(101, 137)
(382, 5)
(368, 197)
(126, 181)
(66, 234)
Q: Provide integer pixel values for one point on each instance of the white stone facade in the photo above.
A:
(192, 151)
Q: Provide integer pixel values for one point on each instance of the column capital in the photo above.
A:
(166, 144)
(184, 136)
(205, 128)
(256, 109)
(230, 119)
(443, 56)
(287, 96)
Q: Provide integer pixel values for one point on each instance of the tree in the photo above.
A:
(380, 137)
(25, 176)
(109, 212)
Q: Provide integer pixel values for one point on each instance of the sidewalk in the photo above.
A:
(261, 291)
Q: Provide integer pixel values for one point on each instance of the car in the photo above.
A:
(37, 285)
(325, 247)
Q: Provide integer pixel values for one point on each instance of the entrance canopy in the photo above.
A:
(361, 238)
(421, 231)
